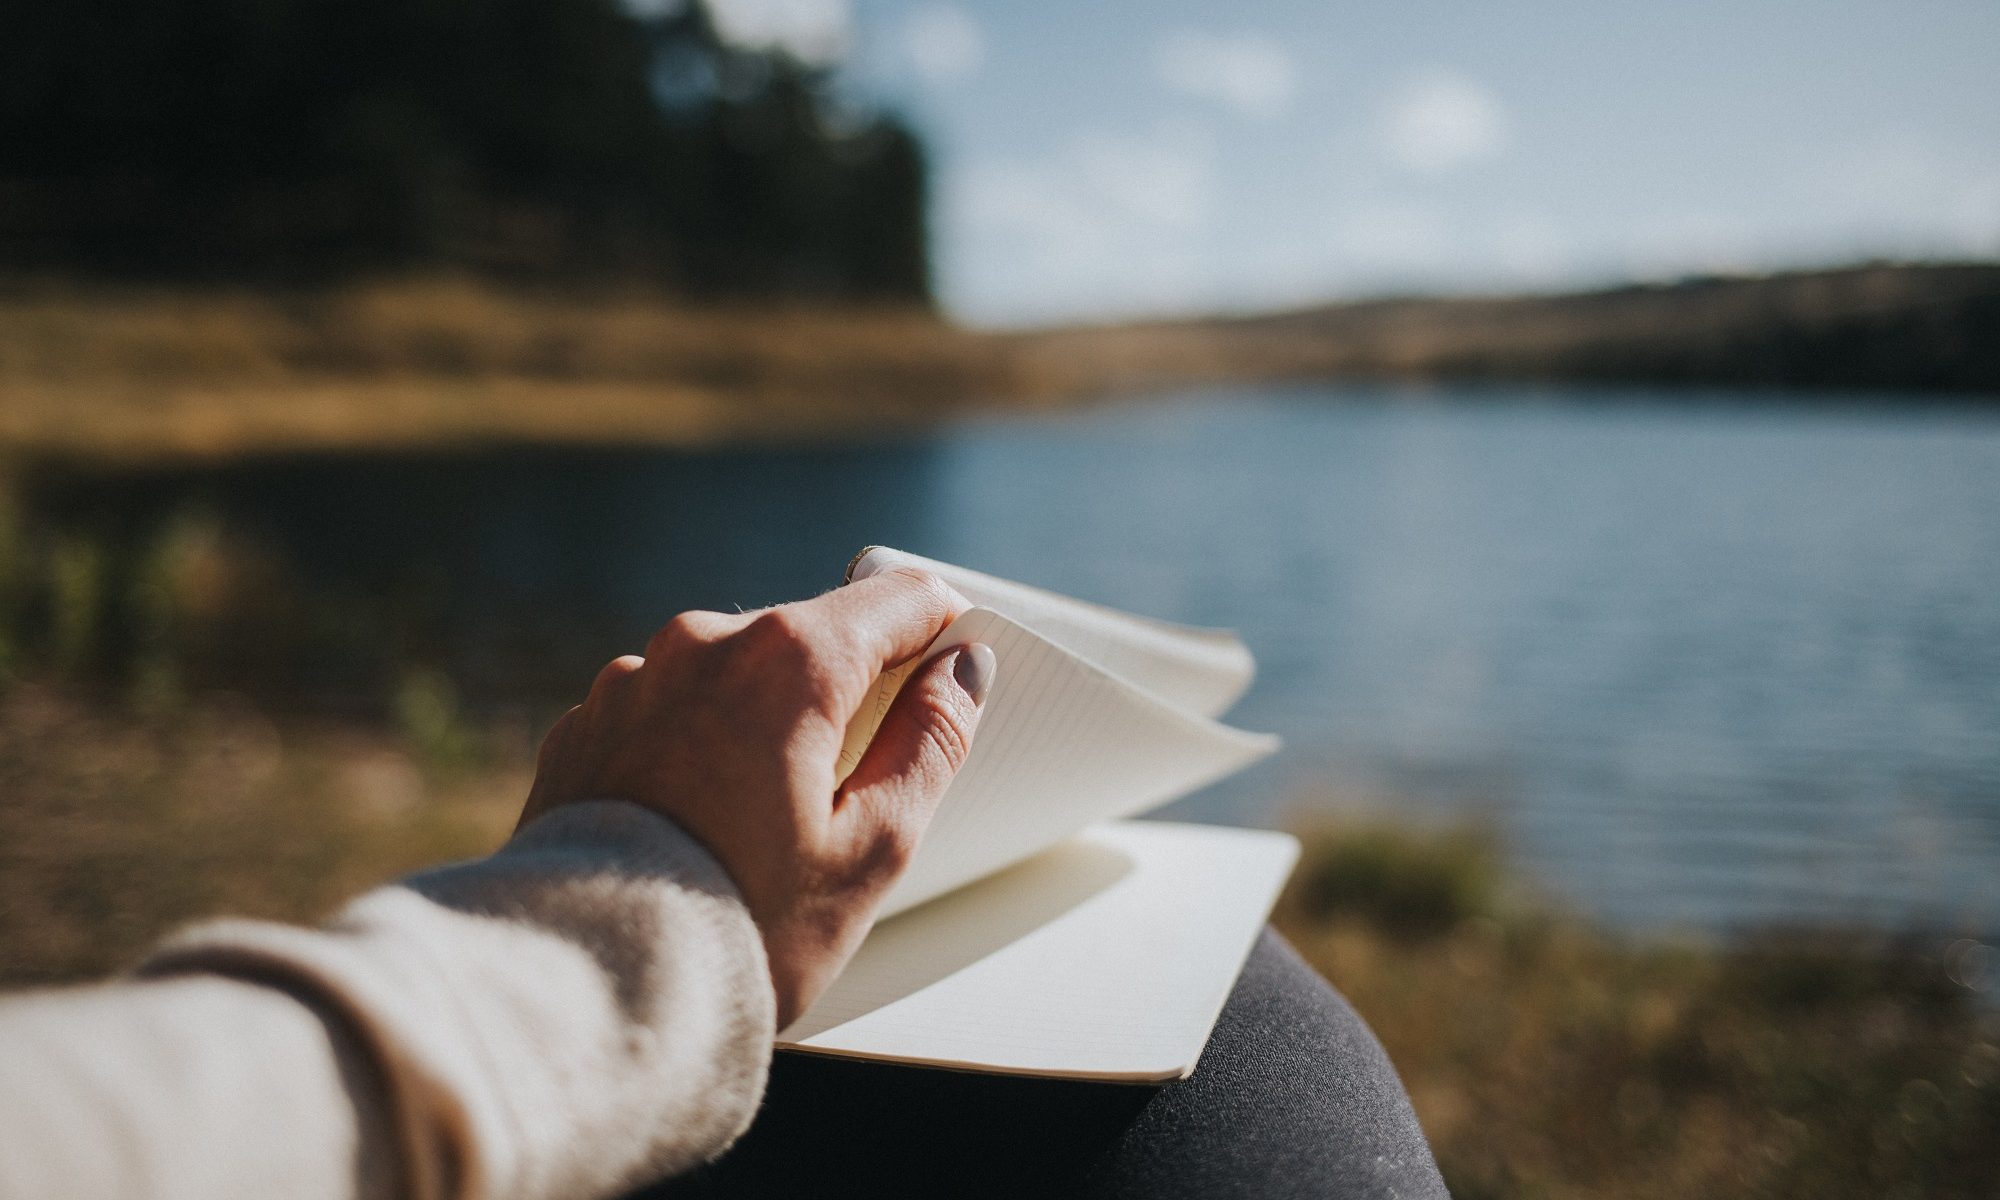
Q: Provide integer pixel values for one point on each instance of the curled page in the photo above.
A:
(1038, 935)
(1062, 744)
(1201, 670)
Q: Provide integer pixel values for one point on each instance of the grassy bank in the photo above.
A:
(1900, 331)
(103, 374)
(147, 609)
(141, 375)
(1550, 1058)
(1546, 1058)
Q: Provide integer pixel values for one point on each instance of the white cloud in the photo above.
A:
(1442, 121)
(944, 43)
(1248, 72)
(1099, 185)
(1110, 222)
(1164, 181)
(815, 31)
(1374, 239)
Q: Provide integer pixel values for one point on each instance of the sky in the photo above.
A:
(1113, 158)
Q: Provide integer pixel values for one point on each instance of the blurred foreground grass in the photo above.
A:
(1550, 1058)
(149, 610)
(116, 827)
(1546, 1058)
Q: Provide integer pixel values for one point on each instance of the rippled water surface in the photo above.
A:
(1699, 663)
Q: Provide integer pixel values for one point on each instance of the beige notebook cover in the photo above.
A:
(1035, 934)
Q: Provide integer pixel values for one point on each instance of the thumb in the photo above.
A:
(922, 742)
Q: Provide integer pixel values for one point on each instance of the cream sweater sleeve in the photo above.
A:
(586, 1010)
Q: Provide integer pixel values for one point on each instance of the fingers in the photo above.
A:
(924, 739)
(549, 767)
(617, 671)
(834, 645)
(890, 617)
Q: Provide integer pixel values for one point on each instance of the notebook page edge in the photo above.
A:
(1219, 654)
(1271, 861)
(1234, 749)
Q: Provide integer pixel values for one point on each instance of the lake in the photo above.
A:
(1701, 660)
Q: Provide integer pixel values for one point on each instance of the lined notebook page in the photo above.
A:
(1202, 670)
(1108, 957)
(1061, 745)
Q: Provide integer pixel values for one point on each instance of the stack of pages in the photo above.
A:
(1036, 932)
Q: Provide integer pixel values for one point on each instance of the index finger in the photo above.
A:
(889, 617)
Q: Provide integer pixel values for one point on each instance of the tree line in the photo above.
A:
(541, 139)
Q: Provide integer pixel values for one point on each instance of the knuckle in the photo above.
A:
(778, 628)
(927, 589)
(792, 653)
(617, 671)
(687, 631)
(558, 736)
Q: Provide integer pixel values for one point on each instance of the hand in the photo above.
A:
(731, 724)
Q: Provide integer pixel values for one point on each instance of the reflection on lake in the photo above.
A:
(1699, 665)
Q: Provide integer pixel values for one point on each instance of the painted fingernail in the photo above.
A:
(870, 562)
(974, 669)
(861, 566)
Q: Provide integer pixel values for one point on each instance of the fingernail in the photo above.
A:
(854, 568)
(870, 561)
(974, 669)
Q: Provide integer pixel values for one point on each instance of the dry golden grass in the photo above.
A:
(123, 374)
(134, 374)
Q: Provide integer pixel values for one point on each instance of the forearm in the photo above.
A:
(585, 1010)
(197, 1086)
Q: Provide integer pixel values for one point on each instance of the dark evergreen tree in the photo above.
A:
(535, 138)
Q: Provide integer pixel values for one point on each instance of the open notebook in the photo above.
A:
(1036, 933)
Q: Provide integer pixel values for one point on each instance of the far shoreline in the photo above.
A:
(113, 376)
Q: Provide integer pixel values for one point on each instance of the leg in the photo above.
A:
(1293, 1097)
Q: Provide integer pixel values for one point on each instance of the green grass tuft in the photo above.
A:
(1402, 881)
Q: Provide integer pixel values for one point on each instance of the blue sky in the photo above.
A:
(1104, 159)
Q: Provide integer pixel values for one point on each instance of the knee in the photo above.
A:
(1295, 1094)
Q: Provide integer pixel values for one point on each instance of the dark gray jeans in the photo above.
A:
(1293, 1097)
